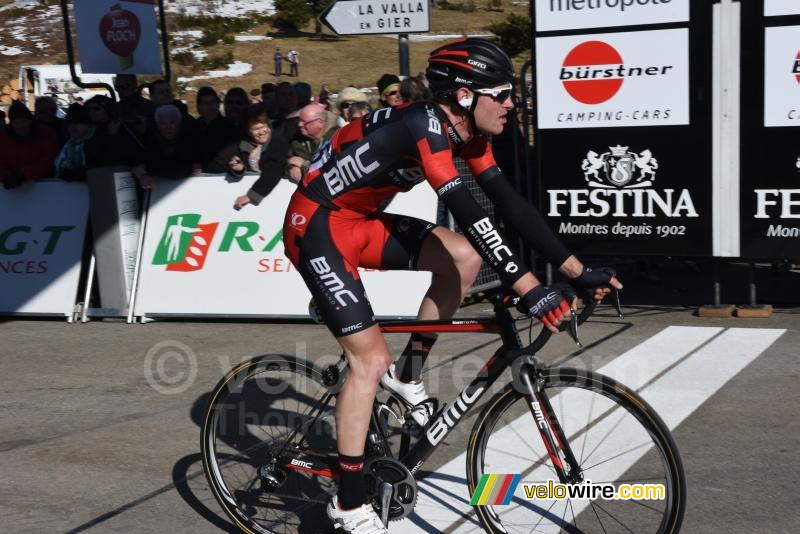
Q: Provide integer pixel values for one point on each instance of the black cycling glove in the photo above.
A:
(545, 303)
(591, 278)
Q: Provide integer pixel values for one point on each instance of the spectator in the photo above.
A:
(347, 97)
(236, 101)
(271, 162)
(255, 95)
(72, 161)
(133, 108)
(324, 97)
(414, 89)
(161, 94)
(278, 57)
(316, 126)
(389, 91)
(358, 109)
(268, 99)
(303, 91)
(171, 151)
(215, 135)
(114, 142)
(294, 62)
(286, 100)
(258, 134)
(45, 112)
(2, 121)
(27, 151)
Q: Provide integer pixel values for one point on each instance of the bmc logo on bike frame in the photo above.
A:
(452, 414)
(332, 281)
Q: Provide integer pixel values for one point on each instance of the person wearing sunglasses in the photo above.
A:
(335, 223)
(389, 91)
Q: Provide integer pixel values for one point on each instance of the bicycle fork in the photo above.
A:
(550, 430)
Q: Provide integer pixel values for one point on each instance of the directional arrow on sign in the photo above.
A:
(364, 17)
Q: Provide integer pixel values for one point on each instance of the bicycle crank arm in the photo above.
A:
(386, 497)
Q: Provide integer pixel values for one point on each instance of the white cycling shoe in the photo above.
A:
(421, 405)
(361, 520)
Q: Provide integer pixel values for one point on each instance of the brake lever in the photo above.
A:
(572, 327)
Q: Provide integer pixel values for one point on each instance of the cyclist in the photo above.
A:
(335, 224)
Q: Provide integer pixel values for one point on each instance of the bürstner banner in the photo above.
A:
(770, 153)
(42, 230)
(201, 257)
(116, 36)
(624, 125)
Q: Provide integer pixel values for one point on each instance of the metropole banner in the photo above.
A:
(770, 130)
(624, 127)
(201, 257)
(118, 37)
(42, 231)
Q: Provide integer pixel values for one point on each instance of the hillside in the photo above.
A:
(31, 32)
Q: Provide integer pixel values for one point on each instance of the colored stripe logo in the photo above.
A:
(495, 490)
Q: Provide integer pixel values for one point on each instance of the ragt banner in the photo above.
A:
(118, 37)
(200, 257)
(42, 231)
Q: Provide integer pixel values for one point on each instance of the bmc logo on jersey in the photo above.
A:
(593, 72)
(348, 170)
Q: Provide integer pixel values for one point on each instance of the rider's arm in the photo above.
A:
(515, 211)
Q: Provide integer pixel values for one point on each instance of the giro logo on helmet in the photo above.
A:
(476, 63)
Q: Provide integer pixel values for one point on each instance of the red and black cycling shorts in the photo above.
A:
(327, 247)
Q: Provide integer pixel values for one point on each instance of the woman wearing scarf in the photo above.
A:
(72, 162)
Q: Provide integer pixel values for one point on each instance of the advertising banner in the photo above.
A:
(116, 36)
(42, 231)
(770, 118)
(614, 79)
(781, 7)
(624, 127)
(555, 15)
(201, 257)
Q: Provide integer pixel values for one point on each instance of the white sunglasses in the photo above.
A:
(498, 94)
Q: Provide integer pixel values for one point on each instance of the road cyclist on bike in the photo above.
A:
(335, 224)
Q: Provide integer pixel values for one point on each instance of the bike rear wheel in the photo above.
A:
(615, 437)
(268, 435)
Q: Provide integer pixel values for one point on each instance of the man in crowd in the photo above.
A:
(215, 135)
(278, 57)
(316, 126)
(132, 107)
(294, 63)
(27, 151)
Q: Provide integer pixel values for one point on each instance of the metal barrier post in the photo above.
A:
(142, 229)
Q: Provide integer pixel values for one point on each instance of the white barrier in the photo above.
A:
(202, 258)
(42, 231)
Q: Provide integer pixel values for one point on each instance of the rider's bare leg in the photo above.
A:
(454, 264)
(368, 358)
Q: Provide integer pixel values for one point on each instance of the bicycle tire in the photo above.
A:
(262, 419)
(648, 455)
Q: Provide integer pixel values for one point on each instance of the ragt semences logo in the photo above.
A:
(185, 243)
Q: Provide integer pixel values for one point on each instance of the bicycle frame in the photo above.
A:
(524, 367)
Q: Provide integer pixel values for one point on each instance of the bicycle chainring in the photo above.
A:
(404, 487)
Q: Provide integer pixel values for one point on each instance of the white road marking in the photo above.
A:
(674, 395)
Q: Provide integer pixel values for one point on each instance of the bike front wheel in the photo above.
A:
(616, 439)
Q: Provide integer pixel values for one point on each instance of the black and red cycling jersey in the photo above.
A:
(334, 223)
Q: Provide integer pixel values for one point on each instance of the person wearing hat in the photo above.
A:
(72, 161)
(347, 97)
(26, 151)
(389, 91)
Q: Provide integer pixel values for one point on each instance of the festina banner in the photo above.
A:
(770, 129)
(42, 231)
(624, 130)
(201, 257)
(118, 37)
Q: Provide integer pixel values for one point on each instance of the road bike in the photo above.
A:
(269, 442)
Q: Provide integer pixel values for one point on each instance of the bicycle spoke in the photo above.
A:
(594, 509)
(588, 421)
(623, 453)
(612, 516)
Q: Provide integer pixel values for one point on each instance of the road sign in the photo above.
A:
(363, 17)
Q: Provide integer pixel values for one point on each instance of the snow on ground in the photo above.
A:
(252, 38)
(438, 36)
(236, 69)
(11, 50)
(222, 8)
